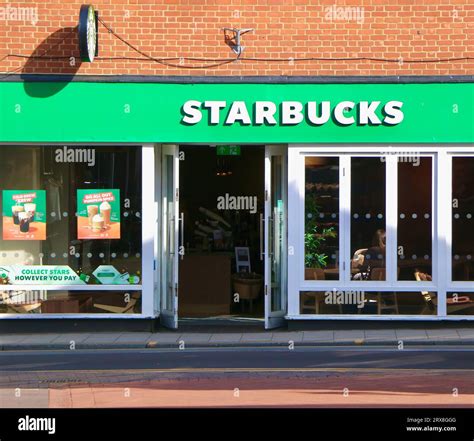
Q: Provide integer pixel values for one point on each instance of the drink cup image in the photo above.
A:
(16, 209)
(92, 210)
(105, 209)
(31, 210)
(98, 223)
(24, 220)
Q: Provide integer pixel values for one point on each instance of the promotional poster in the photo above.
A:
(98, 214)
(24, 215)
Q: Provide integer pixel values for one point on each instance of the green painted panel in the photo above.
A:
(150, 112)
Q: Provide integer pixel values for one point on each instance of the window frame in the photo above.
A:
(149, 216)
(441, 226)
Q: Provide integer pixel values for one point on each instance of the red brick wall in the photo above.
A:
(286, 29)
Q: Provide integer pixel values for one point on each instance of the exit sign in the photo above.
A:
(228, 150)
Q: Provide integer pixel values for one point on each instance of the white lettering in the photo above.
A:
(215, 107)
(325, 112)
(393, 113)
(291, 112)
(238, 112)
(367, 113)
(339, 113)
(264, 112)
(192, 113)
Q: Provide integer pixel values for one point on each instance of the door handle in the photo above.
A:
(271, 238)
(262, 229)
(181, 221)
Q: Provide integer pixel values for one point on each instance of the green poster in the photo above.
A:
(24, 214)
(98, 214)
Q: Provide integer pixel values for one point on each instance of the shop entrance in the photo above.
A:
(223, 233)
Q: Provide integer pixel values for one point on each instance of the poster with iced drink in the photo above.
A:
(98, 214)
(24, 214)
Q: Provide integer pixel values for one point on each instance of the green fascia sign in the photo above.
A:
(86, 112)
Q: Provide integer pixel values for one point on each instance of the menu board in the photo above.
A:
(98, 214)
(24, 214)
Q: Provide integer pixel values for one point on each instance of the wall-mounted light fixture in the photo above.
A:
(232, 37)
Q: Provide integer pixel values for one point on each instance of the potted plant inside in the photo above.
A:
(314, 258)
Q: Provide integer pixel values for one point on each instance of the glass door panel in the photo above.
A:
(415, 217)
(169, 257)
(275, 233)
(368, 219)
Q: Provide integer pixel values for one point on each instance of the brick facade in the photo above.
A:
(284, 29)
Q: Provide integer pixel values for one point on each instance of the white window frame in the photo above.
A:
(441, 227)
(451, 285)
(149, 215)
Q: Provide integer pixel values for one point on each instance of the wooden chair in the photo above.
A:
(314, 274)
(428, 297)
(388, 301)
(311, 300)
(118, 307)
(15, 307)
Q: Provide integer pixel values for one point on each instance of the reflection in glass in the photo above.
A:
(460, 303)
(70, 302)
(414, 236)
(365, 303)
(368, 238)
(321, 232)
(463, 219)
(277, 232)
(44, 168)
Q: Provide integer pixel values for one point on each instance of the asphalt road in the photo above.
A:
(271, 359)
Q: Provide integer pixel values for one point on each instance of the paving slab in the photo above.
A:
(28, 398)
(412, 334)
(257, 337)
(67, 338)
(437, 334)
(102, 338)
(466, 333)
(348, 335)
(164, 338)
(195, 338)
(380, 335)
(226, 338)
(285, 337)
(12, 338)
(134, 337)
(39, 339)
(318, 336)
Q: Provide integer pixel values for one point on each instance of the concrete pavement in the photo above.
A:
(167, 339)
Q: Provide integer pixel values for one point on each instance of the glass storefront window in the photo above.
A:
(368, 237)
(70, 302)
(70, 216)
(415, 199)
(321, 234)
(460, 303)
(368, 302)
(462, 258)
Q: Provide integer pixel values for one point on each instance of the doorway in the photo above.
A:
(222, 200)
(223, 233)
